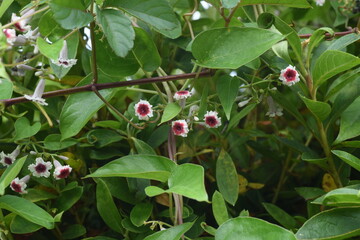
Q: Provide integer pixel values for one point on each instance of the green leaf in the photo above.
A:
(232, 47)
(229, 3)
(50, 50)
(28, 210)
(344, 224)
(142, 147)
(106, 207)
(137, 166)
(320, 109)
(188, 180)
(316, 38)
(74, 116)
(173, 233)
(156, 13)
(140, 213)
(240, 115)
(145, 51)
(20, 225)
(53, 142)
(10, 173)
(281, 50)
(171, 110)
(5, 83)
(219, 208)
(68, 198)
(74, 231)
(348, 158)
(288, 3)
(23, 129)
(103, 137)
(251, 228)
(330, 63)
(203, 101)
(309, 192)
(349, 122)
(4, 6)
(118, 30)
(227, 179)
(344, 41)
(153, 191)
(70, 14)
(280, 215)
(342, 197)
(227, 88)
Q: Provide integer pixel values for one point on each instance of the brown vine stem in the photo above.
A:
(100, 86)
(336, 34)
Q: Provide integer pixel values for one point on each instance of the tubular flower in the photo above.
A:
(274, 108)
(61, 171)
(180, 128)
(212, 120)
(143, 110)
(10, 35)
(39, 90)
(182, 95)
(63, 60)
(289, 76)
(320, 2)
(40, 168)
(8, 159)
(19, 185)
(22, 24)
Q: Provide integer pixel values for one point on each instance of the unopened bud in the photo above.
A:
(63, 157)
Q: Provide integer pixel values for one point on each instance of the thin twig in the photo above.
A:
(336, 34)
(93, 49)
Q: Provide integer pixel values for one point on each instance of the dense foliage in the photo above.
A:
(245, 122)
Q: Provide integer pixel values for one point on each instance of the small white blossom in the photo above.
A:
(289, 76)
(19, 185)
(274, 108)
(8, 159)
(22, 24)
(61, 171)
(320, 2)
(180, 128)
(10, 35)
(243, 103)
(40, 168)
(143, 110)
(182, 95)
(37, 96)
(212, 120)
(63, 60)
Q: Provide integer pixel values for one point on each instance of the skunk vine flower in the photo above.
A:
(180, 128)
(182, 95)
(212, 120)
(10, 35)
(289, 76)
(19, 185)
(61, 171)
(8, 159)
(40, 168)
(39, 90)
(63, 60)
(320, 2)
(22, 24)
(143, 110)
(274, 108)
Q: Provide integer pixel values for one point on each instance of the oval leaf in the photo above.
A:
(140, 213)
(171, 110)
(173, 233)
(320, 109)
(280, 215)
(227, 88)
(219, 208)
(10, 173)
(348, 158)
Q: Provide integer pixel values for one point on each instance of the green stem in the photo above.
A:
(282, 176)
(93, 49)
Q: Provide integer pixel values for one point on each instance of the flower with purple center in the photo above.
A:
(22, 24)
(10, 35)
(40, 168)
(37, 96)
(63, 60)
(8, 159)
(19, 185)
(180, 128)
(182, 95)
(212, 120)
(143, 110)
(61, 171)
(289, 76)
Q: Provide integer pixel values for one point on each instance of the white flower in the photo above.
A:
(19, 185)
(289, 76)
(212, 120)
(182, 95)
(10, 35)
(63, 60)
(143, 110)
(180, 128)
(32, 35)
(22, 24)
(61, 171)
(320, 2)
(8, 159)
(274, 108)
(39, 90)
(40, 168)
(243, 103)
